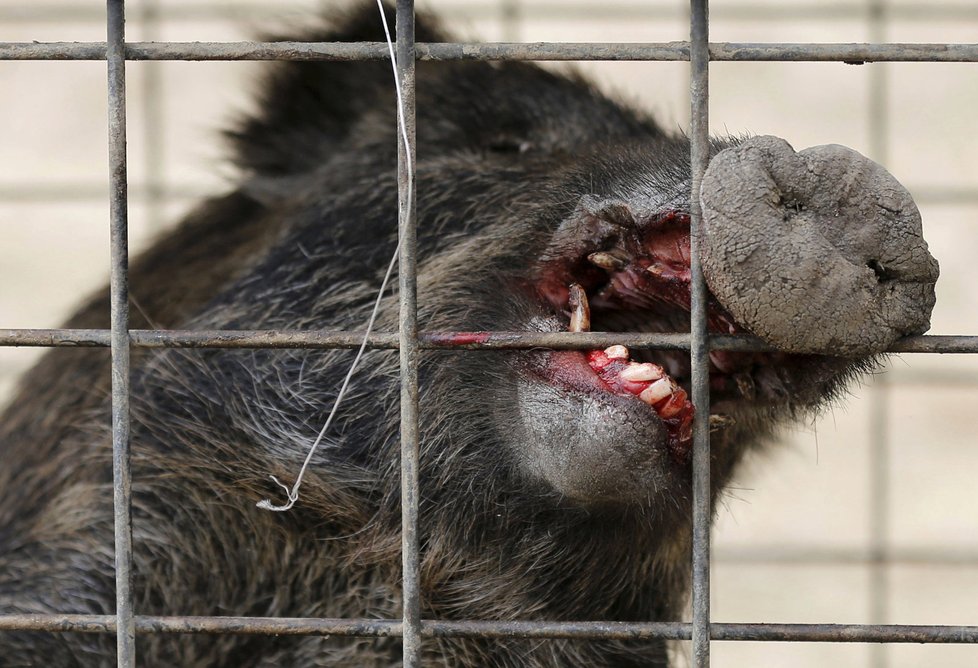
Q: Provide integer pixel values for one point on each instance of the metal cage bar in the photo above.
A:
(853, 53)
(125, 624)
(699, 135)
(430, 340)
(385, 628)
(119, 295)
(408, 341)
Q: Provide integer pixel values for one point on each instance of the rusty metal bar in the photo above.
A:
(699, 136)
(119, 298)
(844, 633)
(408, 339)
(853, 53)
(435, 340)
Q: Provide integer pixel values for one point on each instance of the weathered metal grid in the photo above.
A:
(699, 52)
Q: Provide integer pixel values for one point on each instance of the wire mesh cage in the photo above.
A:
(852, 541)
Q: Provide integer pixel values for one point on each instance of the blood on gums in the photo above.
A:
(658, 273)
(675, 410)
(597, 359)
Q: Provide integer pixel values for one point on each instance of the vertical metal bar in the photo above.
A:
(153, 119)
(407, 276)
(119, 287)
(879, 441)
(699, 56)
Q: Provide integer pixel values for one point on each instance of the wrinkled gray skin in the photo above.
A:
(540, 498)
(819, 251)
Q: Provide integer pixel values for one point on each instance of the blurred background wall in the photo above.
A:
(865, 515)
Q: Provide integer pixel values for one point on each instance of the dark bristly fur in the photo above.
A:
(505, 153)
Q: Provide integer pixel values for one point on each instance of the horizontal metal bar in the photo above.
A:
(272, 338)
(894, 633)
(568, 11)
(209, 625)
(146, 338)
(552, 51)
(890, 633)
(293, 339)
(935, 344)
(855, 54)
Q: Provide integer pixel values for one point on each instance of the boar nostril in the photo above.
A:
(882, 275)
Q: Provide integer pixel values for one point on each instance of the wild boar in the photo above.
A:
(555, 485)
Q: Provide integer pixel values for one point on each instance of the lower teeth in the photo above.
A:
(645, 380)
(657, 391)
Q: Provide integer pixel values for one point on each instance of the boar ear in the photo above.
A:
(304, 108)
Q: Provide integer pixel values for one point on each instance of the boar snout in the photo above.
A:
(818, 251)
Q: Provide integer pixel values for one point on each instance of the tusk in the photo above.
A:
(606, 261)
(580, 320)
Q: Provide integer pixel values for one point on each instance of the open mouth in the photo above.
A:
(619, 272)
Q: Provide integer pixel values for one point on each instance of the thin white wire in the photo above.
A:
(293, 493)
